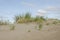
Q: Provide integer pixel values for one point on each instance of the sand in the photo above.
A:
(29, 32)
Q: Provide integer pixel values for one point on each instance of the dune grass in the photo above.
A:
(2, 22)
(29, 30)
(55, 22)
(12, 27)
(47, 23)
(28, 18)
(40, 26)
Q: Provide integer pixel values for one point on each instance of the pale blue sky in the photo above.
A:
(9, 8)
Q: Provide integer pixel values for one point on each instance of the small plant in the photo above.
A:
(59, 21)
(42, 18)
(29, 31)
(4, 22)
(27, 15)
(55, 22)
(39, 19)
(40, 26)
(47, 24)
(12, 27)
(36, 18)
(35, 27)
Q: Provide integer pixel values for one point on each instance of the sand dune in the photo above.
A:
(21, 32)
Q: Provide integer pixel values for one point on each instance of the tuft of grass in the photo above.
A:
(59, 21)
(27, 15)
(4, 22)
(12, 27)
(27, 18)
(40, 26)
(18, 17)
(39, 19)
(23, 18)
(55, 22)
(47, 24)
(29, 30)
(36, 18)
(42, 18)
(35, 27)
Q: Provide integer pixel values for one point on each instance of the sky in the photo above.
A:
(46, 8)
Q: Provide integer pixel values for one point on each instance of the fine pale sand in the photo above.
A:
(29, 32)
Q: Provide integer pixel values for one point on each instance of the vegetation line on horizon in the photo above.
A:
(26, 19)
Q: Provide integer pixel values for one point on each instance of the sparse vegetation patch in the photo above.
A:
(12, 27)
(47, 23)
(55, 22)
(29, 30)
(40, 26)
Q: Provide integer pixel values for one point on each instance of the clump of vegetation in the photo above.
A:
(40, 26)
(18, 18)
(55, 22)
(29, 30)
(27, 18)
(59, 21)
(23, 19)
(12, 27)
(39, 19)
(35, 27)
(36, 18)
(4, 22)
(47, 23)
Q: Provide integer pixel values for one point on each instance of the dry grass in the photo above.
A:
(12, 27)
(27, 18)
(47, 23)
(40, 26)
(29, 30)
(4, 22)
(55, 22)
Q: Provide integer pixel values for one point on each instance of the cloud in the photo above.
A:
(52, 8)
(41, 12)
(49, 9)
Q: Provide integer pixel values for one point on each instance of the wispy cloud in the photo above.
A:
(42, 12)
(52, 8)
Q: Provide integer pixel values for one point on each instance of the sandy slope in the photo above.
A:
(21, 32)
